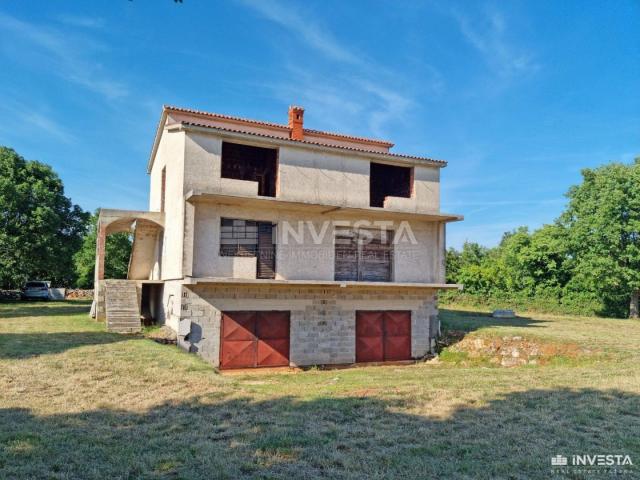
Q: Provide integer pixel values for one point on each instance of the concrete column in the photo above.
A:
(98, 274)
(442, 252)
(188, 240)
(101, 239)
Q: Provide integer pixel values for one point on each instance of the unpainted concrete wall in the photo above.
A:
(298, 256)
(190, 242)
(170, 313)
(144, 251)
(332, 178)
(170, 154)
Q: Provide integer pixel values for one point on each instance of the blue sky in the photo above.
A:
(517, 96)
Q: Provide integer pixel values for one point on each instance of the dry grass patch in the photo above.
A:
(76, 402)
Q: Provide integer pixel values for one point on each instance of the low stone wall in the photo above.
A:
(77, 293)
(69, 294)
(322, 318)
(9, 294)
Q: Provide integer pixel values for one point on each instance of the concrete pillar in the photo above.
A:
(188, 239)
(101, 240)
(442, 252)
(98, 274)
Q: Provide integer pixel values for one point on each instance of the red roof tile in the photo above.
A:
(383, 143)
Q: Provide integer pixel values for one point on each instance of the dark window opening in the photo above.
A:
(256, 164)
(363, 255)
(248, 238)
(388, 181)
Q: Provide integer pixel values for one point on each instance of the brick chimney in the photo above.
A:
(296, 115)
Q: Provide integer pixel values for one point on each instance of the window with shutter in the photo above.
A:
(249, 238)
(363, 255)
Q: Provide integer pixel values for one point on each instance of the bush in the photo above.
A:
(568, 305)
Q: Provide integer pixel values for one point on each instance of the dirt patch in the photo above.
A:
(513, 351)
(448, 338)
(163, 335)
(260, 371)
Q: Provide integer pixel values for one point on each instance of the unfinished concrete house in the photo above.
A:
(275, 245)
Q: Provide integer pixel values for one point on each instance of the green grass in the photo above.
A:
(76, 402)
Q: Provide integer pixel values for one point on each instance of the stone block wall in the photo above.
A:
(322, 318)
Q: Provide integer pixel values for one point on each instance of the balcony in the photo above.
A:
(240, 199)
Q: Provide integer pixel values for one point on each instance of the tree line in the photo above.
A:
(587, 261)
(43, 235)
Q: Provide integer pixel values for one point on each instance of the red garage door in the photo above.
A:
(254, 339)
(383, 335)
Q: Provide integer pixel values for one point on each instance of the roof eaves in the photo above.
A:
(226, 117)
(156, 139)
(280, 126)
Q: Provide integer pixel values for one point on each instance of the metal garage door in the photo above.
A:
(254, 339)
(383, 335)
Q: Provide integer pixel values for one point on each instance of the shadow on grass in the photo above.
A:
(513, 436)
(26, 345)
(43, 309)
(468, 321)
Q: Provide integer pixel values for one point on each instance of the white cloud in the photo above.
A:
(358, 92)
(27, 119)
(389, 106)
(304, 28)
(45, 124)
(81, 21)
(489, 38)
(345, 104)
(64, 54)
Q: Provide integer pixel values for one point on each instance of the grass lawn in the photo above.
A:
(76, 402)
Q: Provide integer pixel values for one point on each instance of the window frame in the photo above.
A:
(238, 231)
(357, 235)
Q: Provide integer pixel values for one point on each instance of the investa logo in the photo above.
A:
(298, 232)
(593, 460)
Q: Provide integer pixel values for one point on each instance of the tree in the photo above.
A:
(603, 221)
(116, 259)
(589, 259)
(535, 264)
(40, 228)
(453, 263)
(473, 253)
(468, 267)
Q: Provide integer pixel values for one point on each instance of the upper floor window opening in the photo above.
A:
(389, 181)
(256, 164)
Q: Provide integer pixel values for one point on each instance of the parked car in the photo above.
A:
(35, 290)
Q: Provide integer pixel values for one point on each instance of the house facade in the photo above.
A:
(272, 244)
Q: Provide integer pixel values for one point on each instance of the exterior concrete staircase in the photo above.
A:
(121, 306)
